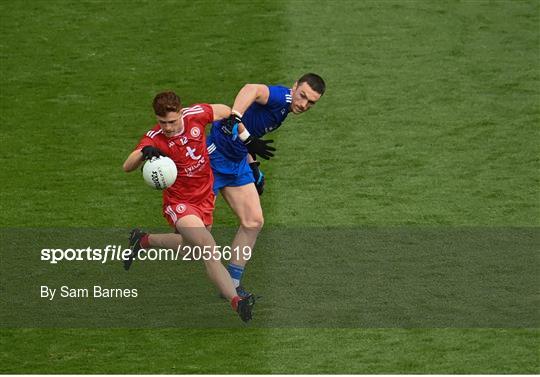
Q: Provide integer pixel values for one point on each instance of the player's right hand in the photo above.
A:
(229, 126)
(150, 152)
(259, 147)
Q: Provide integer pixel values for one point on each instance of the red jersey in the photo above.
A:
(188, 151)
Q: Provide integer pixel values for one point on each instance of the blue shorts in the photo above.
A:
(229, 173)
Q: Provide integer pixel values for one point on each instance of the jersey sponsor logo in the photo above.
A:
(283, 111)
(181, 208)
(195, 132)
(191, 170)
(191, 153)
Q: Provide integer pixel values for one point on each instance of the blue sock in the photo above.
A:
(236, 273)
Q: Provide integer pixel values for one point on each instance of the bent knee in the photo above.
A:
(254, 222)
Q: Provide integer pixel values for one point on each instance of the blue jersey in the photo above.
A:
(258, 119)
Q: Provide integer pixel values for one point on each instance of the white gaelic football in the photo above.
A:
(159, 172)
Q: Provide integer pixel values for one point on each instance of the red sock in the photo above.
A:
(234, 302)
(144, 241)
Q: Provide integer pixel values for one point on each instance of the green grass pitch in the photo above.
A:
(431, 118)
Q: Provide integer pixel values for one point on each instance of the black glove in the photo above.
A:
(227, 125)
(258, 175)
(259, 147)
(150, 152)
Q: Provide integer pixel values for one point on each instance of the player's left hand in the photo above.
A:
(258, 175)
(259, 147)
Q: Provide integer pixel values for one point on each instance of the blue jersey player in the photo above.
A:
(229, 156)
(257, 110)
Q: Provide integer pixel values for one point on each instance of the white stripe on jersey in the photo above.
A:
(196, 107)
(192, 113)
(169, 211)
(211, 148)
(192, 110)
(151, 134)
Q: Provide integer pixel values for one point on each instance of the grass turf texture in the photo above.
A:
(431, 118)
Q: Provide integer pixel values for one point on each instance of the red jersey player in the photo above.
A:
(188, 204)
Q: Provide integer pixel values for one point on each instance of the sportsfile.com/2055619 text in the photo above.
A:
(117, 253)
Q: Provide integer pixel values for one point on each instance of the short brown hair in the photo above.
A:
(166, 102)
(314, 81)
